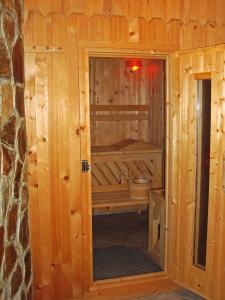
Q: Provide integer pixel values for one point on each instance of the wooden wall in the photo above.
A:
(53, 122)
(55, 32)
(183, 10)
(192, 23)
(55, 126)
(141, 93)
(157, 109)
(183, 171)
(194, 35)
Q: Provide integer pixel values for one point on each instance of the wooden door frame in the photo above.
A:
(85, 52)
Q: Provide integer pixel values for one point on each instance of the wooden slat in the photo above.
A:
(119, 107)
(134, 171)
(114, 199)
(112, 166)
(124, 170)
(43, 165)
(151, 166)
(127, 156)
(108, 173)
(94, 181)
(119, 117)
(111, 188)
(74, 180)
(173, 175)
(54, 166)
(86, 177)
(103, 180)
(202, 76)
(34, 213)
(144, 169)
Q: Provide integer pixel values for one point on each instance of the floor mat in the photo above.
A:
(120, 261)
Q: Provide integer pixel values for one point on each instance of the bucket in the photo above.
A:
(139, 189)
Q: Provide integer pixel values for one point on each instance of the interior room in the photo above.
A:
(127, 115)
(112, 149)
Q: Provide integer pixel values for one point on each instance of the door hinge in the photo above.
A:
(85, 167)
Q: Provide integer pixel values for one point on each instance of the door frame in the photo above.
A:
(84, 54)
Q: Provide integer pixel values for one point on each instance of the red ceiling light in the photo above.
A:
(134, 66)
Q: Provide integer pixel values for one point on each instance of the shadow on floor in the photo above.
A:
(128, 229)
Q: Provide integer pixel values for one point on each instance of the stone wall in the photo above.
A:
(15, 257)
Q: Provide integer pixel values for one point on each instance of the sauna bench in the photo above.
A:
(114, 166)
(115, 199)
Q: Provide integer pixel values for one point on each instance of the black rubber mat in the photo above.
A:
(120, 261)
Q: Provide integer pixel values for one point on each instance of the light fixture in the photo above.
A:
(134, 66)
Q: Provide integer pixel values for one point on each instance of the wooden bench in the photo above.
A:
(115, 199)
(112, 168)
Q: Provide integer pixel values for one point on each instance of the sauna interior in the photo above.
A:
(127, 116)
(59, 42)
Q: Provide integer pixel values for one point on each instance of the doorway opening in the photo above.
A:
(127, 117)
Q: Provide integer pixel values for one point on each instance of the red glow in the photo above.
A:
(153, 68)
(134, 66)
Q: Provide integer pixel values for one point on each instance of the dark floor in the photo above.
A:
(120, 244)
(120, 261)
(128, 229)
(179, 295)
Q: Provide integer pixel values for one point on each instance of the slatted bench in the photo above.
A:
(113, 166)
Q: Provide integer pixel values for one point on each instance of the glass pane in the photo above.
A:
(202, 170)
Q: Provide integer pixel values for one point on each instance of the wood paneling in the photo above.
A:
(55, 127)
(184, 10)
(186, 23)
(194, 35)
(112, 85)
(55, 185)
(119, 167)
(157, 102)
(155, 34)
(56, 106)
(183, 175)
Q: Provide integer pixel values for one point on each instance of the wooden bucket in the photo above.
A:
(139, 189)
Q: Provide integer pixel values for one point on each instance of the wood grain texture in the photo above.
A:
(113, 85)
(183, 165)
(116, 168)
(186, 10)
(156, 242)
(184, 23)
(55, 111)
(55, 207)
(57, 121)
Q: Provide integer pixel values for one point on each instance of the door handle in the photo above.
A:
(223, 175)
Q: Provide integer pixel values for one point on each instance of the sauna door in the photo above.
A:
(196, 112)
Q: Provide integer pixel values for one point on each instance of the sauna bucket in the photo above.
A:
(139, 188)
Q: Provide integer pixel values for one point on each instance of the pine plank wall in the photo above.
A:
(55, 34)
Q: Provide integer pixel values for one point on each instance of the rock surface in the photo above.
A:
(15, 256)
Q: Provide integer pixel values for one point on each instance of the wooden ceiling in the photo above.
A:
(183, 10)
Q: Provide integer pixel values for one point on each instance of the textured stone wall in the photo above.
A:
(15, 257)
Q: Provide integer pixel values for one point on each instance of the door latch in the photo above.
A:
(85, 167)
